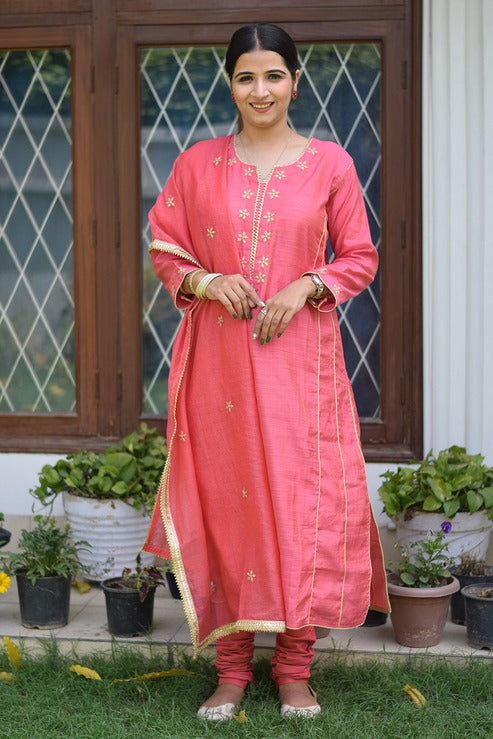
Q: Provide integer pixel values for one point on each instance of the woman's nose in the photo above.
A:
(259, 88)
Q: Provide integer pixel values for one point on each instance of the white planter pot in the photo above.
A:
(114, 530)
(470, 531)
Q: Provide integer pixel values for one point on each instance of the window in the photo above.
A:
(86, 342)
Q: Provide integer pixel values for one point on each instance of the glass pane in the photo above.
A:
(185, 97)
(36, 234)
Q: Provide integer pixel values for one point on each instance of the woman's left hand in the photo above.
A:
(278, 311)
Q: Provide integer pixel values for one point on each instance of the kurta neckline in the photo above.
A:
(276, 166)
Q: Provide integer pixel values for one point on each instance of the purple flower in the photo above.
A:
(446, 527)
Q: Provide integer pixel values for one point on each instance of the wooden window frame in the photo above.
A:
(105, 37)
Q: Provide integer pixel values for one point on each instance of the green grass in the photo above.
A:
(362, 699)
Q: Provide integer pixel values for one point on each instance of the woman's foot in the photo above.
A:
(298, 699)
(222, 703)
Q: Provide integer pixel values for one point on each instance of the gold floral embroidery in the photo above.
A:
(217, 161)
(248, 171)
(312, 150)
(244, 493)
(335, 289)
(302, 165)
(170, 202)
(264, 261)
(213, 586)
(247, 194)
(273, 194)
(269, 217)
(260, 277)
(242, 237)
(251, 575)
(243, 213)
(323, 270)
(231, 161)
(220, 320)
(266, 236)
(243, 261)
(182, 436)
(211, 232)
(229, 406)
(281, 174)
(181, 270)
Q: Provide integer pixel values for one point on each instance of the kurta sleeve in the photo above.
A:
(355, 257)
(171, 250)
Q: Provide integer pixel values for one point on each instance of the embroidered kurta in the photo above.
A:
(263, 505)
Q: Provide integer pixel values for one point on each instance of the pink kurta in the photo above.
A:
(263, 504)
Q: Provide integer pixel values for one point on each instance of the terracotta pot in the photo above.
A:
(418, 614)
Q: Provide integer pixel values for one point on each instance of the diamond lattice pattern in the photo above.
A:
(185, 97)
(36, 303)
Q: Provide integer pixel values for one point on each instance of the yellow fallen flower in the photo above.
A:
(241, 717)
(4, 582)
(6, 677)
(156, 675)
(81, 585)
(413, 694)
(85, 672)
(13, 654)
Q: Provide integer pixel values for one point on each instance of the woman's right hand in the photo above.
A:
(235, 293)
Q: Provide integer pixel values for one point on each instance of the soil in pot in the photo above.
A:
(478, 601)
(127, 614)
(418, 614)
(46, 604)
(457, 605)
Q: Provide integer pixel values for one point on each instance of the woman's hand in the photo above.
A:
(235, 293)
(275, 316)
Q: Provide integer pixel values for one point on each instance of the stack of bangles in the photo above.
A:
(199, 291)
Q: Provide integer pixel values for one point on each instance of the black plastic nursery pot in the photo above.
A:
(457, 606)
(46, 604)
(127, 614)
(173, 587)
(478, 600)
(375, 618)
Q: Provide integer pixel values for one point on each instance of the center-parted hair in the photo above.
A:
(264, 36)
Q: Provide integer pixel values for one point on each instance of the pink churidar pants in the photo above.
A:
(291, 662)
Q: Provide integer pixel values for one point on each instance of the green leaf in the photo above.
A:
(120, 488)
(474, 501)
(431, 504)
(407, 579)
(487, 494)
(450, 507)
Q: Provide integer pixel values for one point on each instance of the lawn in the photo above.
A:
(47, 700)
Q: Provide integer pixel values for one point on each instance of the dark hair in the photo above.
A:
(266, 36)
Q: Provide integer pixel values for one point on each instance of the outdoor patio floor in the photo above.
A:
(87, 630)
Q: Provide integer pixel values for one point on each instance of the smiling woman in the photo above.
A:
(263, 435)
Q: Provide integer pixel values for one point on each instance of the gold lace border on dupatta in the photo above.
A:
(174, 249)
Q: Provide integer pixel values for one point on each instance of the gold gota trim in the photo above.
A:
(171, 536)
(241, 625)
(319, 462)
(169, 248)
(336, 414)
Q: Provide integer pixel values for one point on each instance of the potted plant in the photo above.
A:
(478, 601)
(4, 534)
(46, 560)
(108, 498)
(130, 600)
(453, 485)
(420, 586)
(469, 571)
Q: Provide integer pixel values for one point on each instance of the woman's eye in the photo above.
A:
(246, 78)
(275, 76)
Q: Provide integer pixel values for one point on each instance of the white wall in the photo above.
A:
(457, 245)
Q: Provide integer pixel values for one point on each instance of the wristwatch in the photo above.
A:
(320, 287)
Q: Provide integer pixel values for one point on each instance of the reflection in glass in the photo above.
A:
(36, 235)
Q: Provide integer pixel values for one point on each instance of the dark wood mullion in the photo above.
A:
(108, 378)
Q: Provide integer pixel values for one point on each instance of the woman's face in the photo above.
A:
(262, 86)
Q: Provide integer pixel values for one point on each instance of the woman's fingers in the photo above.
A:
(235, 293)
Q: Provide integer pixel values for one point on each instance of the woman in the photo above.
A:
(263, 506)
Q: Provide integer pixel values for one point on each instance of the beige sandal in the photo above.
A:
(217, 713)
(288, 711)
